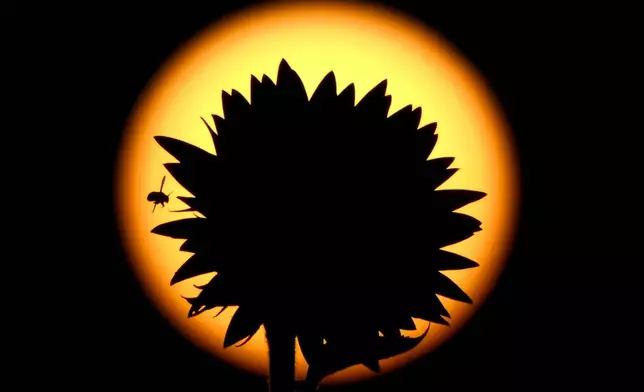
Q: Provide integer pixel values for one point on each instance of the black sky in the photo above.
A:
(522, 339)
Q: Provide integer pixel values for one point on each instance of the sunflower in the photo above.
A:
(323, 222)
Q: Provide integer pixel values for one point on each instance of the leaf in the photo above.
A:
(198, 264)
(447, 261)
(425, 141)
(453, 199)
(326, 90)
(442, 285)
(375, 104)
(244, 324)
(183, 228)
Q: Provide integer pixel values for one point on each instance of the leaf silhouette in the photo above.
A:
(244, 324)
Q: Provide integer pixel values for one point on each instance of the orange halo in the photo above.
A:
(362, 44)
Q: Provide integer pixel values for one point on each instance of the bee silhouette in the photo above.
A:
(159, 197)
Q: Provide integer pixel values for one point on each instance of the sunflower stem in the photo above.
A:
(281, 356)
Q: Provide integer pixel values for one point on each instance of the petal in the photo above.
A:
(290, 84)
(184, 152)
(375, 104)
(453, 199)
(426, 139)
(442, 285)
(326, 90)
(183, 228)
(198, 264)
(244, 324)
(447, 261)
(347, 97)
(235, 106)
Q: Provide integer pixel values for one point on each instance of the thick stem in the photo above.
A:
(281, 356)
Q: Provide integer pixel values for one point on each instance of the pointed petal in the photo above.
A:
(267, 82)
(434, 172)
(192, 246)
(453, 199)
(261, 92)
(183, 151)
(224, 137)
(244, 323)
(375, 104)
(290, 84)
(182, 228)
(235, 106)
(197, 264)
(442, 285)
(187, 178)
(213, 135)
(195, 204)
(448, 261)
(453, 228)
(219, 291)
(426, 139)
(416, 114)
(326, 90)
(401, 119)
(347, 97)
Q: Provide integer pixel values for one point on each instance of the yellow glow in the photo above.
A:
(361, 44)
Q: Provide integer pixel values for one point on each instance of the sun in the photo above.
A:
(361, 44)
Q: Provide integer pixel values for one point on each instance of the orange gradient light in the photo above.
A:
(362, 44)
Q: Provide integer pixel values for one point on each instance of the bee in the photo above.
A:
(159, 197)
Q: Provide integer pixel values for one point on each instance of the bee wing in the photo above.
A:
(162, 182)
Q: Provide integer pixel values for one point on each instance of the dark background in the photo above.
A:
(529, 335)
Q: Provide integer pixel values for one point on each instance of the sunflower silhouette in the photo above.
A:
(322, 220)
